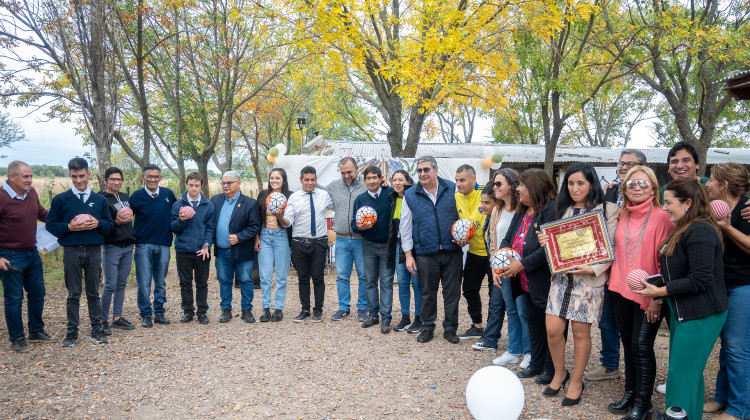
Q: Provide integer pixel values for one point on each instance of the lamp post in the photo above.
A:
(301, 121)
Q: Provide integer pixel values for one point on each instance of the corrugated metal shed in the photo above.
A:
(512, 153)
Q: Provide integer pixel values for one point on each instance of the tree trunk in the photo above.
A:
(99, 117)
(202, 162)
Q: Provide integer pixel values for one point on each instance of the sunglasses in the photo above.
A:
(497, 184)
(424, 170)
(643, 183)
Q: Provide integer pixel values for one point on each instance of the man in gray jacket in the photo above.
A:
(349, 245)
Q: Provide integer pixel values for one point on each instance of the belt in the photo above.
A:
(81, 246)
(309, 240)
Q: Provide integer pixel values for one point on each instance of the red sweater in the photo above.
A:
(18, 220)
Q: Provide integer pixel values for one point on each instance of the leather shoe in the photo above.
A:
(266, 317)
(370, 322)
(451, 337)
(528, 373)
(425, 336)
(161, 319)
(553, 391)
(247, 316)
(277, 316)
(545, 378)
(624, 405)
(385, 327)
(640, 408)
(568, 402)
(226, 316)
(186, 318)
(203, 318)
(146, 322)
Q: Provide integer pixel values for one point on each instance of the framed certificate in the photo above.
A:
(578, 240)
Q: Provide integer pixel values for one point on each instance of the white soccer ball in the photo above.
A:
(463, 230)
(366, 215)
(276, 202)
(501, 259)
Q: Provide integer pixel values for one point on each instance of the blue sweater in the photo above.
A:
(192, 234)
(152, 216)
(432, 223)
(382, 205)
(66, 206)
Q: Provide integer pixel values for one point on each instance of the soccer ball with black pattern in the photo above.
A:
(276, 202)
(463, 230)
(366, 215)
(501, 259)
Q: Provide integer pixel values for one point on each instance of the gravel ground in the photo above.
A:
(331, 370)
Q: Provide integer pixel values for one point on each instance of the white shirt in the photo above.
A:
(377, 193)
(298, 212)
(150, 193)
(502, 226)
(405, 223)
(12, 193)
(77, 192)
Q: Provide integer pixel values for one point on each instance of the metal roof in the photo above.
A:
(512, 153)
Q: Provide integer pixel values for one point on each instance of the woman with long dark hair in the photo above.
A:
(692, 265)
(401, 181)
(531, 274)
(273, 245)
(577, 294)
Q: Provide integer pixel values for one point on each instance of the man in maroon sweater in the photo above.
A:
(20, 265)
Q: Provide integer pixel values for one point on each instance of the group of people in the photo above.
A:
(696, 263)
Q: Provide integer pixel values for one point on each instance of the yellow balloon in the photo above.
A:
(487, 162)
(272, 159)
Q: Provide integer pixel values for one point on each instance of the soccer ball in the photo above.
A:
(720, 209)
(634, 279)
(501, 259)
(366, 215)
(463, 230)
(276, 202)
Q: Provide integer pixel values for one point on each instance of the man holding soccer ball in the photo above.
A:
(427, 215)
(375, 234)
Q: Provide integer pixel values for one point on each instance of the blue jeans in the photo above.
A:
(348, 252)
(274, 254)
(406, 280)
(610, 353)
(32, 280)
(376, 268)
(518, 330)
(116, 263)
(733, 380)
(225, 272)
(151, 262)
(522, 306)
(495, 316)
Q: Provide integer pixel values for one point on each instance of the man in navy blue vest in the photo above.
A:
(427, 215)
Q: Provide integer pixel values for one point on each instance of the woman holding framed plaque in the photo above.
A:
(642, 227)
(576, 295)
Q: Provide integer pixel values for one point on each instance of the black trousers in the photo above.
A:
(476, 268)
(541, 360)
(191, 266)
(309, 258)
(445, 266)
(82, 265)
(638, 336)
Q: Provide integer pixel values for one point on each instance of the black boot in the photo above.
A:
(640, 408)
(624, 405)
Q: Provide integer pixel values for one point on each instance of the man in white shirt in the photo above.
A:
(306, 213)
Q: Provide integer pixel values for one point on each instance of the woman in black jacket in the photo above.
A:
(692, 266)
(531, 273)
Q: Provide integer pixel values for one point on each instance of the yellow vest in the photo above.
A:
(468, 207)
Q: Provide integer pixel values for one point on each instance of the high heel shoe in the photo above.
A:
(567, 402)
(552, 391)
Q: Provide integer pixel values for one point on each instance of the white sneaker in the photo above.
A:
(506, 359)
(525, 362)
(662, 389)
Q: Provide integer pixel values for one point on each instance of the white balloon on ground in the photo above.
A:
(494, 392)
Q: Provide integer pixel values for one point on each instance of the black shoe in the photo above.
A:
(203, 319)
(317, 316)
(266, 317)
(277, 316)
(303, 315)
(186, 318)
(425, 336)
(247, 316)
(226, 316)
(545, 378)
(40, 336)
(370, 322)
(70, 338)
(640, 408)
(122, 324)
(403, 324)
(568, 402)
(553, 391)
(472, 333)
(528, 373)
(415, 326)
(451, 337)
(20, 345)
(146, 323)
(105, 328)
(385, 327)
(624, 405)
(161, 319)
(97, 336)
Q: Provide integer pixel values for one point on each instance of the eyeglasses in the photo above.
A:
(424, 170)
(114, 179)
(153, 177)
(643, 183)
(497, 184)
(628, 165)
(228, 183)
